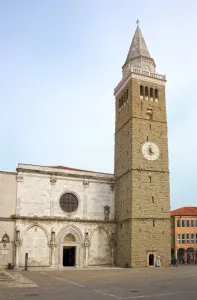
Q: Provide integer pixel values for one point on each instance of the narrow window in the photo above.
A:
(149, 113)
(151, 92)
(188, 238)
(178, 223)
(196, 225)
(178, 238)
(183, 223)
(147, 138)
(146, 91)
(153, 200)
(141, 90)
(192, 223)
(192, 238)
(122, 100)
(124, 97)
(120, 225)
(127, 94)
(183, 238)
(188, 223)
(119, 102)
(150, 127)
(156, 94)
(153, 223)
(150, 179)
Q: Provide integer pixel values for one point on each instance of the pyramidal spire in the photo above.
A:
(138, 55)
(138, 46)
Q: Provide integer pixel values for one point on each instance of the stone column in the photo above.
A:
(53, 246)
(86, 249)
(17, 245)
(112, 244)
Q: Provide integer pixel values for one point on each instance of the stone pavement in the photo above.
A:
(149, 283)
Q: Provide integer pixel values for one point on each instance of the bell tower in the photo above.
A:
(142, 202)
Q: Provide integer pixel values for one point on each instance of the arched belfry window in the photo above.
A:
(141, 90)
(146, 91)
(151, 93)
(156, 94)
(69, 202)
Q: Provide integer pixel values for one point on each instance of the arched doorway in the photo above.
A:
(69, 251)
(190, 256)
(151, 260)
(181, 256)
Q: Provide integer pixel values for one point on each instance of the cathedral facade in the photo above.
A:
(61, 217)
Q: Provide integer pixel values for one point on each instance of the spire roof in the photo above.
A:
(138, 46)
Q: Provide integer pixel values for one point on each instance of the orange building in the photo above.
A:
(184, 235)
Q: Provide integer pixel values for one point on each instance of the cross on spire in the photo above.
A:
(137, 22)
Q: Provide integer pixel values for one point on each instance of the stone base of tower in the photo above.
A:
(148, 247)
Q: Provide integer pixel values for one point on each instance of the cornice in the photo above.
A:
(59, 219)
(98, 179)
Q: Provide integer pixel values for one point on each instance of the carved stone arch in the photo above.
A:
(35, 241)
(101, 228)
(38, 225)
(70, 229)
(100, 251)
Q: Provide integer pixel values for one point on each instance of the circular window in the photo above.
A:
(68, 202)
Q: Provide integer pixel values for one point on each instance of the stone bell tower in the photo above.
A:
(142, 202)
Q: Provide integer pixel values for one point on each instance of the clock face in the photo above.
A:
(150, 151)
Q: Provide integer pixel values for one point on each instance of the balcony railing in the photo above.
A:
(140, 72)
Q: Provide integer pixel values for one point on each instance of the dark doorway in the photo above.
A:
(69, 256)
(151, 260)
(190, 256)
(181, 256)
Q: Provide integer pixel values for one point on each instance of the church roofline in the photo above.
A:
(63, 171)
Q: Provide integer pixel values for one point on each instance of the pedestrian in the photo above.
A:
(175, 262)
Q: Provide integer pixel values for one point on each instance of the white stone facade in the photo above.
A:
(42, 229)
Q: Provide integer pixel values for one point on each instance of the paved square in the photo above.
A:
(149, 283)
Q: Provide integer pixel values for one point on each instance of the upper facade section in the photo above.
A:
(138, 55)
(62, 192)
(184, 211)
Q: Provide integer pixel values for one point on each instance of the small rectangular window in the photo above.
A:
(188, 223)
(178, 223)
(149, 114)
(127, 94)
(150, 179)
(183, 238)
(178, 238)
(192, 238)
(153, 200)
(183, 223)
(153, 223)
(192, 223)
(188, 238)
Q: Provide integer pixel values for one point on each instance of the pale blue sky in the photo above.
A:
(59, 63)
